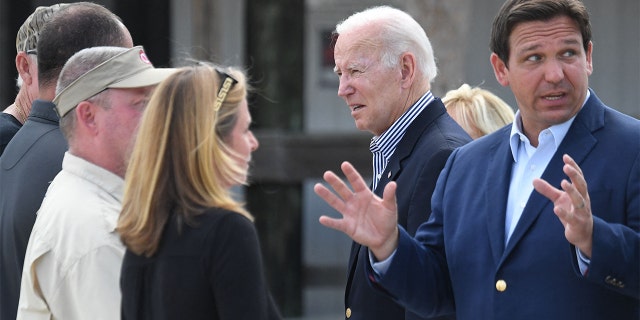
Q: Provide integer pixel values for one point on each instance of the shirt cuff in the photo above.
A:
(583, 262)
(380, 267)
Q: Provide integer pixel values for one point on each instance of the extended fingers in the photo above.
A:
(547, 190)
(556, 196)
(577, 200)
(338, 185)
(577, 189)
(337, 224)
(355, 179)
(569, 161)
(329, 197)
(573, 171)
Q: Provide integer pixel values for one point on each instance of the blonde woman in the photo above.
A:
(192, 250)
(478, 111)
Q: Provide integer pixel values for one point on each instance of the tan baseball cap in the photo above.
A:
(27, 38)
(129, 69)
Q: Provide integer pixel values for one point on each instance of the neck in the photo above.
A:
(21, 106)
(47, 93)
(93, 153)
(414, 94)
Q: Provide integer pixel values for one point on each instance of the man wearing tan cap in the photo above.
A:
(34, 155)
(12, 118)
(72, 264)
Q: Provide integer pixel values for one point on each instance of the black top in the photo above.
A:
(211, 271)
(27, 166)
(9, 126)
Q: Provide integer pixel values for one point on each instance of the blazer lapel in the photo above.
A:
(353, 258)
(497, 190)
(577, 143)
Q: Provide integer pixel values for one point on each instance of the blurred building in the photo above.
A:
(303, 127)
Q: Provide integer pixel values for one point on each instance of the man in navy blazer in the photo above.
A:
(539, 220)
(385, 64)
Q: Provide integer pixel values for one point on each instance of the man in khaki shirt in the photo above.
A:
(73, 259)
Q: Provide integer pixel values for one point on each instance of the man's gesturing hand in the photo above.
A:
(366, 218)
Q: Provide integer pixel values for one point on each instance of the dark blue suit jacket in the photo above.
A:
(415, 166)
(459, 254)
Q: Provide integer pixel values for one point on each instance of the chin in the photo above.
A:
(239, 181)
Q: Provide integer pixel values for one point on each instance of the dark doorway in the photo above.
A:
(148, 21)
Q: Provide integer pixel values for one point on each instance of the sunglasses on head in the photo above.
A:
(227, 82)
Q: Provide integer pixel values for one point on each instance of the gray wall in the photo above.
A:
(459, 32)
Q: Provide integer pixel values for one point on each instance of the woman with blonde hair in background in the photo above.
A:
(192, 249)
(478, 111)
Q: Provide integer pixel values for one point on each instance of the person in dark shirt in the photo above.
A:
(14, 116)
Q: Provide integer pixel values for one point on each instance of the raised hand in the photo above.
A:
(366, 218)
(571, 205)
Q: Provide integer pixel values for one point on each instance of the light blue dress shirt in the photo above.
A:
(529, 162)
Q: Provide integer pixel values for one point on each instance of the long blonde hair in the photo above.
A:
(478, 111)
(180, 163)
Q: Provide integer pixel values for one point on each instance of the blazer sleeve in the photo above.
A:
(418, 276)
(615, 259)
(420, 203)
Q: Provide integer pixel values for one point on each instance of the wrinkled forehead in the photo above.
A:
(367, 36)
(353, 47)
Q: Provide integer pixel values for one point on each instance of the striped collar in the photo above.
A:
(383, 146)
(388, 140)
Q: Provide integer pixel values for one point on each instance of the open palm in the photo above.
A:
(366, 218)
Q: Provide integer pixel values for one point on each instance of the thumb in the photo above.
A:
(389, 196)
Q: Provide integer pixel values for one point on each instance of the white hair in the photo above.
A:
(399, 33)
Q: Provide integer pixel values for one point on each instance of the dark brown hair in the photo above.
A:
(78, 26)
(514, 12)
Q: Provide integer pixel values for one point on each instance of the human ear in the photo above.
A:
(408, 68)
(22, 65)
(86, 116)
(589, 61)
(500, 69)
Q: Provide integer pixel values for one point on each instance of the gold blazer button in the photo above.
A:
(501, 285)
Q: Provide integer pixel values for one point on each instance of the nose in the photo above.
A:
(344, 88)
(554, 71)
(254, 142)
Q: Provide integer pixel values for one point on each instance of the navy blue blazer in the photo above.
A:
(415, 166)
(459, 254)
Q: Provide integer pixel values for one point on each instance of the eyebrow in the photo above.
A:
(536, 46)
(352, 66)
(572, 42)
